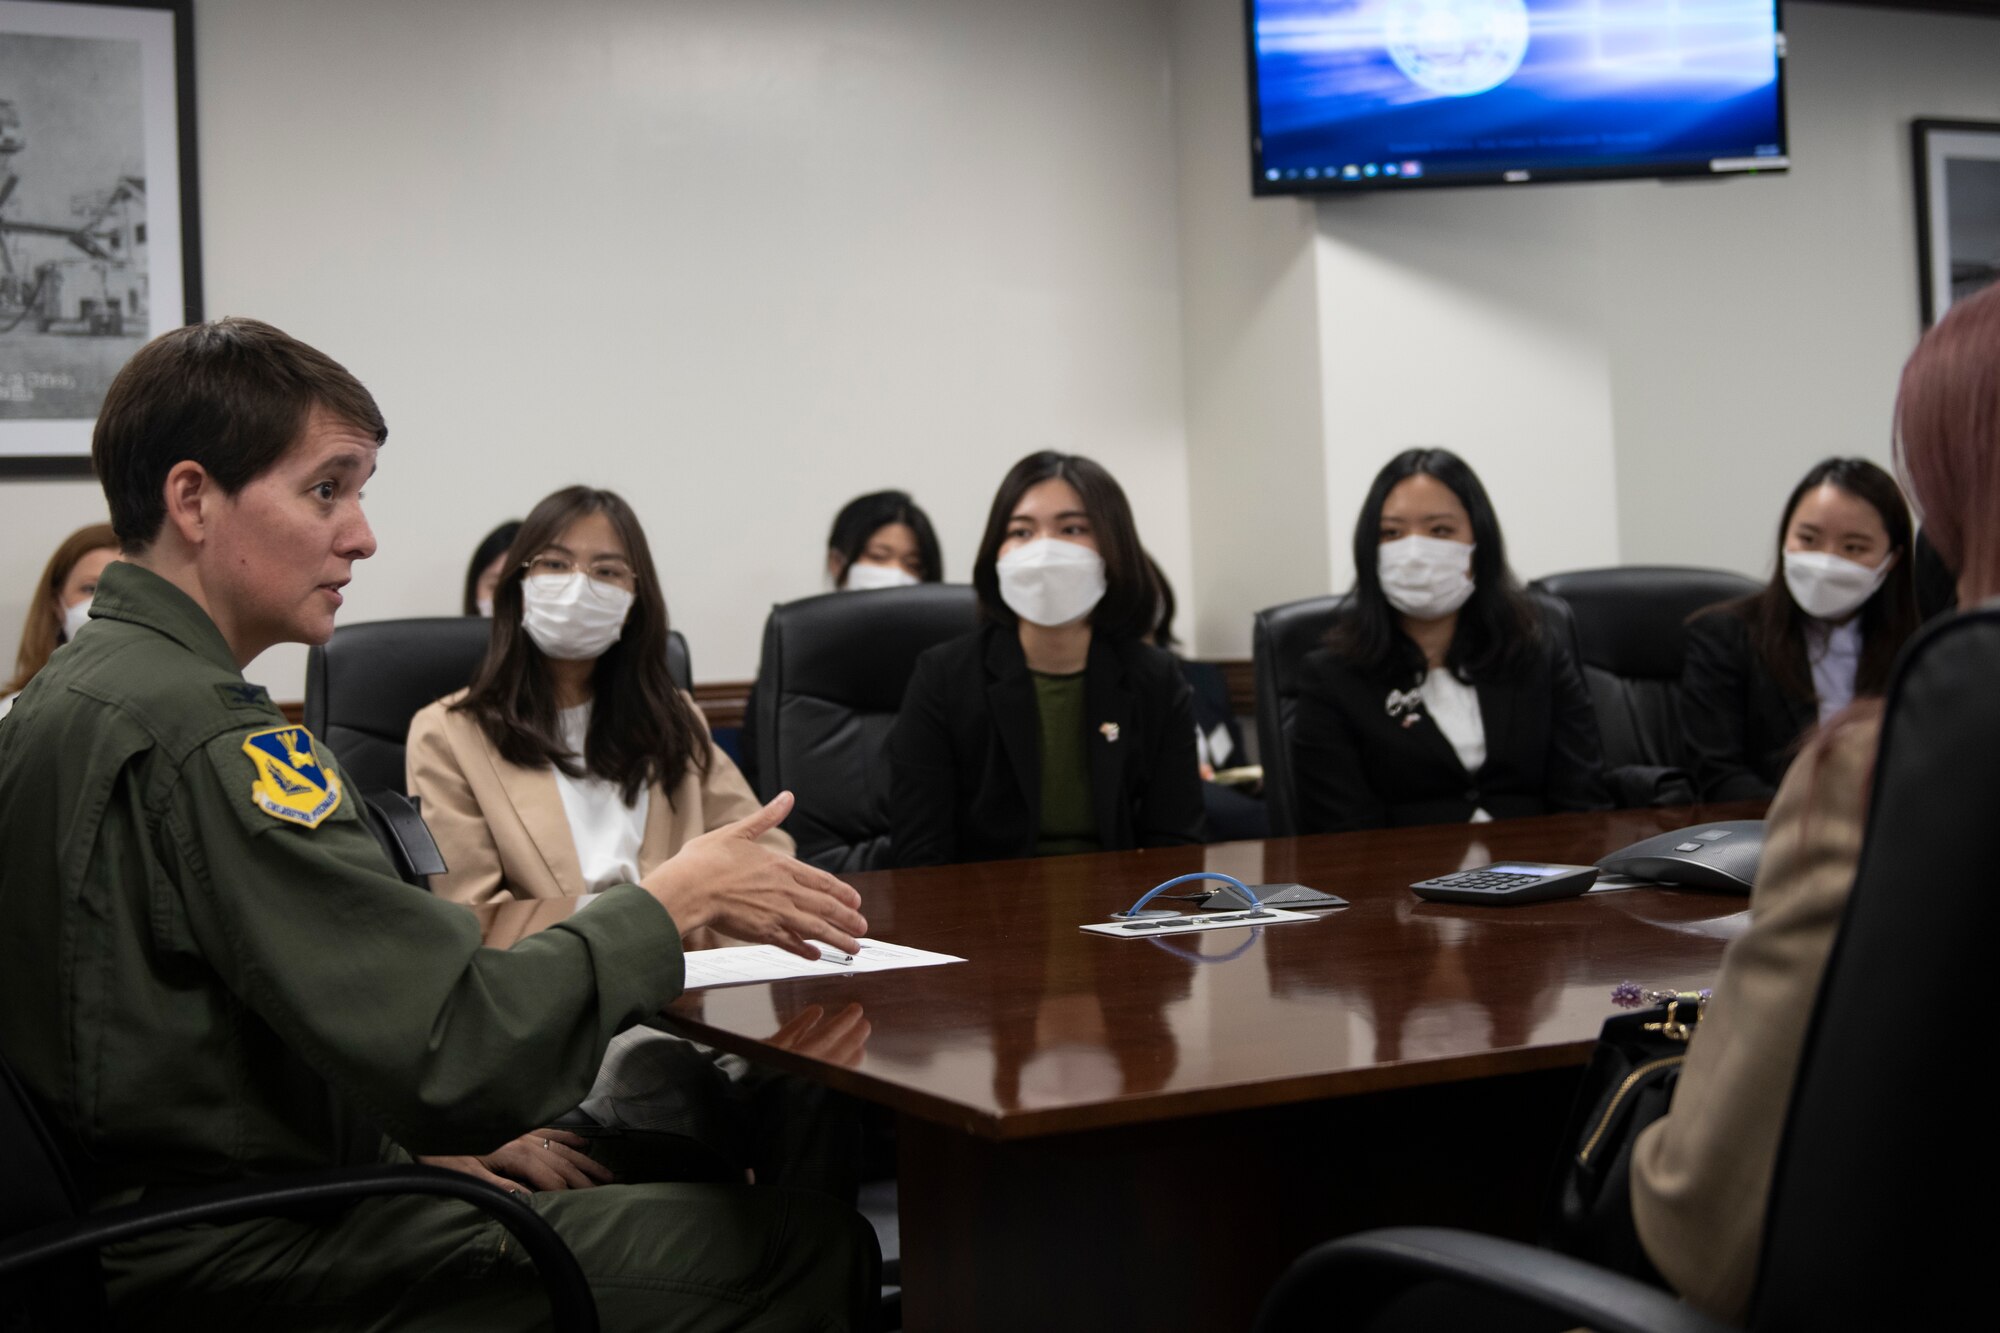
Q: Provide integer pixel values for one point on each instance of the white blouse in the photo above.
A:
(1835, 654)
(607, 832)
(1454, 706)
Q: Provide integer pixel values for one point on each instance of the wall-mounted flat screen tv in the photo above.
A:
(1352, 95)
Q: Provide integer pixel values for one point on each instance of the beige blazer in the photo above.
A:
(501, 827)
(1701, 1175)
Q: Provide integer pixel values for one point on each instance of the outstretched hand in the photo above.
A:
(727, 879)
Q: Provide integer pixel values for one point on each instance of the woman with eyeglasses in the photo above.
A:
(573, 762)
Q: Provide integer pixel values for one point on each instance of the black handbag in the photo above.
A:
(1628, 1084)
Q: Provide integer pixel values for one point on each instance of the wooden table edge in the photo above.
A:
(1138, 1109)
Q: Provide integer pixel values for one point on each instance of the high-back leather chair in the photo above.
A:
(1883, 1140)
(1280, 638)
(1631, 626)
(828, 689)
(365, 683)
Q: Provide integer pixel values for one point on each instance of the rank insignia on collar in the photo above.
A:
(242, 694)
(291, 784)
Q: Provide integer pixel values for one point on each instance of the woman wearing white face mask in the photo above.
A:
(61, 605)
(573, 762)
(1764, 671)
(1052, 728)
(1442, 695)
(882, 540)
(879, 540)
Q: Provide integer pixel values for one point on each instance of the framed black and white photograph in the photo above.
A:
(1958, 210)
(99, 238)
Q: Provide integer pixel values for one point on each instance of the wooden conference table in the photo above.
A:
(1142, 1133)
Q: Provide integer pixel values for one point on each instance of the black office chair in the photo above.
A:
(1885, 1140)
(49, 1273)
(365, 684)
(405, 839)
(828, 688)
(1631, 626)
(1280, 638)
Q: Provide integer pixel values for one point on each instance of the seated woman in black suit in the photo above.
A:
(1441, 695)
(1052, 728)
(1763, 671)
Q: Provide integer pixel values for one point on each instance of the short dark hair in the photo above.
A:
(1130, 606)
(865, 515)
(232, 395)
(491, 547)
(1497, 627)
(642, 728)
(1888, 618)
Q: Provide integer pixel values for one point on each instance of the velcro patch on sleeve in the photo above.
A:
(292, 786)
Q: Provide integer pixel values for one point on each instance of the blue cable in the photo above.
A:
(1157, 890)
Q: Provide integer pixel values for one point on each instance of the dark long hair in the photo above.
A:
(865, 515)
(491, 547)
(1169, 605)
(1778, 624)
(642, 728)
(1497, 629)
(1130, 606)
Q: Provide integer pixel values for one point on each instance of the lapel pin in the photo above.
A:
(1109, 731)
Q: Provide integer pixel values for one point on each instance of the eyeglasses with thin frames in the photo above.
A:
(615, 573)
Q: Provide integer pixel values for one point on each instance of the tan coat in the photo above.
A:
(1701, 1176)
(501, 827)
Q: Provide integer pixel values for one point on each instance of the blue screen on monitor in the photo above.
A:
(1373, 94)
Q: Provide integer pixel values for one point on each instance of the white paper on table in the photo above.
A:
(742, 963)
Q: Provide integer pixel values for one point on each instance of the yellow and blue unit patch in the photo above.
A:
(291, 784)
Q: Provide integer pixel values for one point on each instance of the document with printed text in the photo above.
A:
(766, 962)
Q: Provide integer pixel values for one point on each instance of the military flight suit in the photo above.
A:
(208, 971)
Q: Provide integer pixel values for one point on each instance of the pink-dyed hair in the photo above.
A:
(1948, 439)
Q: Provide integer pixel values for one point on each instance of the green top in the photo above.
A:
(1069, 823)
(211, 971)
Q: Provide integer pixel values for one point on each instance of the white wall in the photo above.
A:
(738, 261)
(1471, 320)
(1764, 322)
(744, 260)
(1250, 329)
(1641, 371)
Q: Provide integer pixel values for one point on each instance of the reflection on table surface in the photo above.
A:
(1046, 1028)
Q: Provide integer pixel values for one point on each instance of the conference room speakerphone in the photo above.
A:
(1507, 883)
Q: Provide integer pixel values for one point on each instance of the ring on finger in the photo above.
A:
(545, 1146)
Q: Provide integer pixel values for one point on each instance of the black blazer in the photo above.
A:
(965, 769)
(1742, 727)
(1358, 767)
